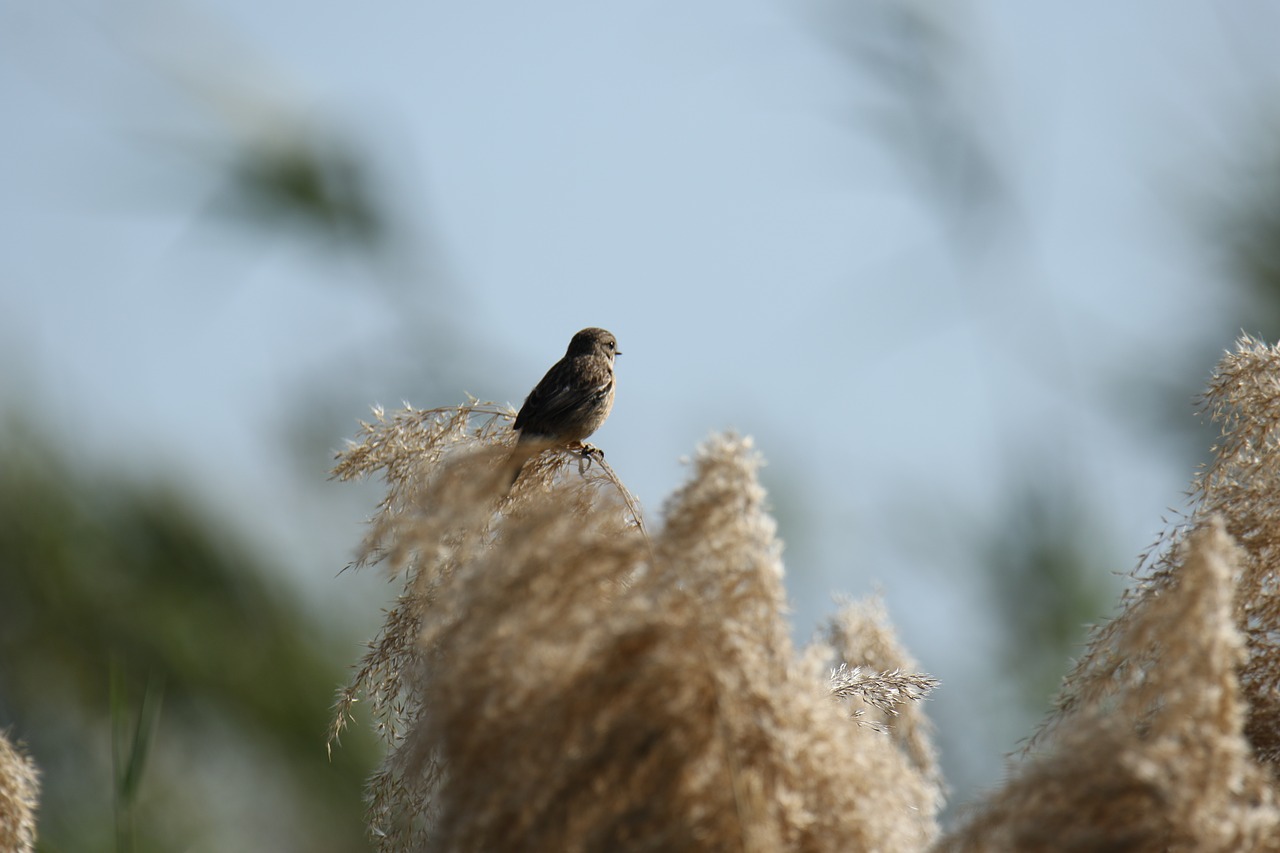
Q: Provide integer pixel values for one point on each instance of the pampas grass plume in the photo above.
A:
(553, 677)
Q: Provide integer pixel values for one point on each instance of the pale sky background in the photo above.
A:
(711, 182)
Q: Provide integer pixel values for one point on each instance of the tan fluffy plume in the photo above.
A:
(552, 677)
(1165, 733)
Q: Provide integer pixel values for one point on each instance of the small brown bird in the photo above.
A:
(574, 398)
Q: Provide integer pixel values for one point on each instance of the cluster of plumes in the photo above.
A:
(1165, 736)
(880, 687)
(19, 794)
(553, 677)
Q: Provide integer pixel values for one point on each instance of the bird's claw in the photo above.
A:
(588, 453)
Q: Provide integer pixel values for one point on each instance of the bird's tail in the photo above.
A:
(526, 448)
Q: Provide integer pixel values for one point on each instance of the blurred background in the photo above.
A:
(961, 270)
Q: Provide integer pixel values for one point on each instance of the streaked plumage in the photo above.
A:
(576, 395)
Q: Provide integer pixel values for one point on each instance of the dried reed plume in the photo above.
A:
(887, 675)
(553, 678)
(1165, 735)
(19, 794)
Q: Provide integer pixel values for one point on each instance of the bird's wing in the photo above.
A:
(566, 387)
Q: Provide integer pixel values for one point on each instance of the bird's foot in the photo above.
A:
(588, 452)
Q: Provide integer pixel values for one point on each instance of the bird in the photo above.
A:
(575, 396)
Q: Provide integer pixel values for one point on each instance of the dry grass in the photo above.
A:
(19, 794)
(1165, 733)
(887, 682)
(553, 678)
(1150, 755)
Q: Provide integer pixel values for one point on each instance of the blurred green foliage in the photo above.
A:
(316, 183)
(96, 570)
(911, 69)
(1248, 233)
(1047, 581)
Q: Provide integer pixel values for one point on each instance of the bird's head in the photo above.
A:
(594, 341)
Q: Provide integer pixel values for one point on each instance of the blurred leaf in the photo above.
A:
(95, 569)
(1046, 584)
(315, 182)
(912, 52)
(1247, 232)
(128, 771)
